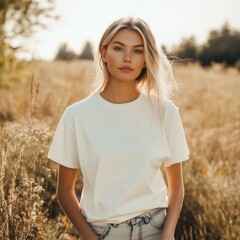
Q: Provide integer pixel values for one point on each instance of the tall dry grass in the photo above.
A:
(209, 100)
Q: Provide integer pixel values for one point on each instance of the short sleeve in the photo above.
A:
(63, 149)
(175, 135)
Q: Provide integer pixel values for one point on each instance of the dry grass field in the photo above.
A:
(30, 108)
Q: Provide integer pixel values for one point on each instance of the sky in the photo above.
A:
(170, 22)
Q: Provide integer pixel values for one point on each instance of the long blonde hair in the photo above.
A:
(157, 78)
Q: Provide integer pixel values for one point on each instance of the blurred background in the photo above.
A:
(46, 64)
(202, 30)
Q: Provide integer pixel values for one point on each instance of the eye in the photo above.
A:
(138, 51)
(117, 49)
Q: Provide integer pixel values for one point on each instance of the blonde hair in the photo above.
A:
(156, 78)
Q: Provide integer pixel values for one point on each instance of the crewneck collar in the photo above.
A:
(106, 103)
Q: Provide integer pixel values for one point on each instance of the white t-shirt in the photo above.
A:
(119, 148)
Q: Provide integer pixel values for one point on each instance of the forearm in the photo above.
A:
(71, 207)
(175, 199)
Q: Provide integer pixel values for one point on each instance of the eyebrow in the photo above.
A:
(120, 43)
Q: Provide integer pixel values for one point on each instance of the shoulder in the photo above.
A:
(167, 105)
(79, 108)
(170, 112)
(170, 106)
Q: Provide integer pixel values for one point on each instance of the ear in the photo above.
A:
(103, 54)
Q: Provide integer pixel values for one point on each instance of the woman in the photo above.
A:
(119, 136)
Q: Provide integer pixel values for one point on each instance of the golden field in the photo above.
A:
(30, 108)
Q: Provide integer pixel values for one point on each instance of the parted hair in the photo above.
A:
(156, 78)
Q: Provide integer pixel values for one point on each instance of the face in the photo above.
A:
(124, 56)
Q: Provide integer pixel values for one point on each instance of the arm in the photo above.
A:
(175, 199)
(67, 198)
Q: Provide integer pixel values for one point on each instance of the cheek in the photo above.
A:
(112, 58)
(112, 63)
(140, 61)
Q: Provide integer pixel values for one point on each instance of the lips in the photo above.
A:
(126, 69)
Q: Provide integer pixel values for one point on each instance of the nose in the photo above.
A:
(127, 57)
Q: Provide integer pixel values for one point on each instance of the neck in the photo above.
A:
(120, 93)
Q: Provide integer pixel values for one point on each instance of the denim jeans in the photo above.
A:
(147, 226)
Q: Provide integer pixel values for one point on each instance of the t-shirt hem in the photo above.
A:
(62, 163)
(118, 221)
(170, 163)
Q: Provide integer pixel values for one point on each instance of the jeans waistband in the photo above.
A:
(143, 218)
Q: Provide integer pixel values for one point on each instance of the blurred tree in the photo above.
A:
(187, 49)
(165, 49)
(87, 52)
(19, 19)
(168, 52)
(223, 46)
(65, 54)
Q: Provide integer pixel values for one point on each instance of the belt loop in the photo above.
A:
(146, 218)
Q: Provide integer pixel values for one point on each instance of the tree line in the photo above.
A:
(19, 19)
(64, 53)
(222, 46)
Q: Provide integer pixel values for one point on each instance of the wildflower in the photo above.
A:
(221, 172)
(212, 221)
(204, 170)
(66, 223)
